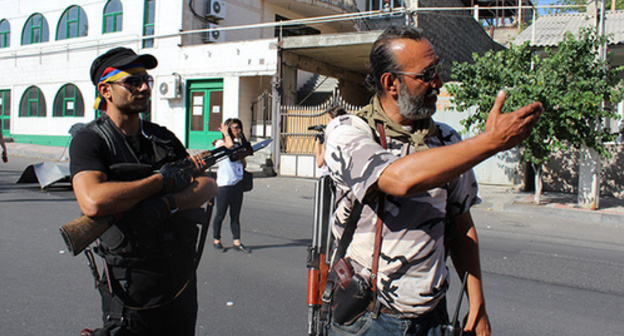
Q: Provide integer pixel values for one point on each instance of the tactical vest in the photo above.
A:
(131, 243)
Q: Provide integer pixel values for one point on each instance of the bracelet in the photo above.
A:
(226, 135)
(172, 204)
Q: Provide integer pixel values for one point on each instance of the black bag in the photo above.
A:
(247, 181)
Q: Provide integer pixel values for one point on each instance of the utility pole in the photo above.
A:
(590, 165)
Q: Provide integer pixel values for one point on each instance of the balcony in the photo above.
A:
(310, 8)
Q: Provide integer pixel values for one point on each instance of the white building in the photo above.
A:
(247, 68)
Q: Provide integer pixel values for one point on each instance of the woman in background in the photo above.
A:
(229, 174)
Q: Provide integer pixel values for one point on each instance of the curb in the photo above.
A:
(606, 217)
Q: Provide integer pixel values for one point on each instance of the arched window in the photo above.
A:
(113, 17)
(5, 33)
(68, 102)
(35, 30)
(73, 23)
(33, 103)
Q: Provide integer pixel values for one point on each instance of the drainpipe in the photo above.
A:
(276, 103)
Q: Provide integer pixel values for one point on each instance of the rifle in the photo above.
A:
(454, 327)
(321, 132)
(319, 256)
(81, 232)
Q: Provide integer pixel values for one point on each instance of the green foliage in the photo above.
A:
(569, 80)
(619, 4)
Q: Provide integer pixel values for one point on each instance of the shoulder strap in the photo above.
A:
(379, 223)
(350, 226)
(114, 139)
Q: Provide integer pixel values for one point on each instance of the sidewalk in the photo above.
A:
(504, 198)
(495, 198)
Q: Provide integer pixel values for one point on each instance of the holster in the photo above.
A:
(351, 302)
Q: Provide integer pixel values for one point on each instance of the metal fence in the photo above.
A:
(295, 136)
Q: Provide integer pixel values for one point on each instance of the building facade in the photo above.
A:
(218, 59)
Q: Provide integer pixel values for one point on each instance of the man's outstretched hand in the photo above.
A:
(508, 130)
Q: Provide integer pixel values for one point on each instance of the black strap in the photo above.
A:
(204, 232)
(347, 235)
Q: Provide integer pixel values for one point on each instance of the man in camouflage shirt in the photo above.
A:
(425, 180)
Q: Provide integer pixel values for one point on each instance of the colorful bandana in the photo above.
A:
(111, 74)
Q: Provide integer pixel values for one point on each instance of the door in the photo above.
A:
(205, 113)
(5, 112)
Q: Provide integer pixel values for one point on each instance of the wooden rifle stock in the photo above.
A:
(81, 232)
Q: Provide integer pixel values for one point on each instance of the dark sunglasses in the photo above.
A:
(426, 76)
(135, 81)
(235, 127)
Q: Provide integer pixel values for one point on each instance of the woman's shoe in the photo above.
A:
(218, 246)
(241, 248)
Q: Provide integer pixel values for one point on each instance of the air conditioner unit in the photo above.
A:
(215, 9)
(169, 87)
(214, 34)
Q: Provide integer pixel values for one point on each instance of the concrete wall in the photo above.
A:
(561, 173)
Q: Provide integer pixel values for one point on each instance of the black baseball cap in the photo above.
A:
(119, 57)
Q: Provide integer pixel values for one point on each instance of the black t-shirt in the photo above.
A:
(90, 151)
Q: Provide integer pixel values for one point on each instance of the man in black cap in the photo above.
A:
(148, 285)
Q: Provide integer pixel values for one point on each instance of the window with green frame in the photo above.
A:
(33, 103)
(148, 22)
(68, 102)
(35, 30)
(113, 17)
(5, 111)
(5, 33)
(73, 24)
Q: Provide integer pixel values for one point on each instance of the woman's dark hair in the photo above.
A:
(335, 111)
(231, 121)
(382, 59)
(228, 122)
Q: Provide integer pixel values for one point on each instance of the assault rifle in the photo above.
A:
(319, 256)
(321, 132)
(454, 327)
(81, 232)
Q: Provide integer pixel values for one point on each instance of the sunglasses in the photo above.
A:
(426, 76)
(134, 82)
(235, 127)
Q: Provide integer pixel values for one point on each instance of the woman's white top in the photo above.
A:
(229, 172)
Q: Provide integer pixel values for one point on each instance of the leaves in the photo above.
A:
(569, 80)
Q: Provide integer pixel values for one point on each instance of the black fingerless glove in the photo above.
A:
(174, 178)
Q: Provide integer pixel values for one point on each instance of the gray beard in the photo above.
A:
(413, 107)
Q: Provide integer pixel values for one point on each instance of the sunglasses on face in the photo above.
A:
(135, 81)
(235, 127)
(426, 76)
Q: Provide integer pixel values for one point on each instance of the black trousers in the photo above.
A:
(229, 197)
(177, 317)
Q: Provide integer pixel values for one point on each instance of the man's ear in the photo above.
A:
(104, 90)
(389, 82)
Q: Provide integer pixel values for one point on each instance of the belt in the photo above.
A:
(382, 308)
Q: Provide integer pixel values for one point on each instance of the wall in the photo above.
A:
(561, 173)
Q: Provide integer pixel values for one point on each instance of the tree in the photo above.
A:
(619, 4)
(569, 80)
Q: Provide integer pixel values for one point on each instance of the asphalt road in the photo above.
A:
(542, 275)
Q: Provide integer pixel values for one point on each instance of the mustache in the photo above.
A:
(432, 93)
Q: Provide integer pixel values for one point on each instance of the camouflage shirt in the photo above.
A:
(412, 275)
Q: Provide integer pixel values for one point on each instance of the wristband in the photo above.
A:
(172, 204)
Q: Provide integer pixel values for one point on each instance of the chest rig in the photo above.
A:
(133, 242)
